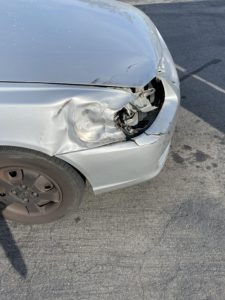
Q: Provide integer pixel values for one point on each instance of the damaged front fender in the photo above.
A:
(58, 119)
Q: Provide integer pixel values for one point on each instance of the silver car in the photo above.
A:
(88, 93)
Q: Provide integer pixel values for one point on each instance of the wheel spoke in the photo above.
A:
(36, 193)
(51, 196)
(5, 182)
(8, 200)
(32, 207)
(13, 176)
(5, 185)
(30, 178)
(42, 184)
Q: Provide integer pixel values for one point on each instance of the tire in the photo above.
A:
(36, 188)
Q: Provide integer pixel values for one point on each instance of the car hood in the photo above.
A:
(93, 42)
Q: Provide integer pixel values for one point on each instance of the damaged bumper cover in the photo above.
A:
(141, 158)
(148, 127)
(78, 125)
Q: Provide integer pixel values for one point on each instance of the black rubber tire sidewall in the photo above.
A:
(67, 178)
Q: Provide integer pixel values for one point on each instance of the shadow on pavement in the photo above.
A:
(195, 35)
(198, 70)
(9, 246)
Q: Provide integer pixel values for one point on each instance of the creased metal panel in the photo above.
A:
(57, 119)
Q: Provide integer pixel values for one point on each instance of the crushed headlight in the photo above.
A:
(117, 117)
(136, 117)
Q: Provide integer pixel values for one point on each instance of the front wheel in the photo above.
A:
(35, 188)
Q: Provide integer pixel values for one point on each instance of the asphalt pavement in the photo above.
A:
(164, 239)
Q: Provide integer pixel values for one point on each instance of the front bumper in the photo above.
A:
(126, 163)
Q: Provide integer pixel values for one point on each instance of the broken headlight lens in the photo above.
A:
(102, 122)
(136, 117)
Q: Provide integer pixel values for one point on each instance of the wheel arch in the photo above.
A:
(44, 153)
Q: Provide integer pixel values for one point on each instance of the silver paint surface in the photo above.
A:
(59, 119)
(96, 42)
(126, 163)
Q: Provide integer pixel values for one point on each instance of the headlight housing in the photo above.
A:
(102, 122)
(112, 120)
(136, 117)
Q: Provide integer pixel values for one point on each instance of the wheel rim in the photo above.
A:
(28, 192)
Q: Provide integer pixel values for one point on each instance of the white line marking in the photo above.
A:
(181, 69)
(212, 85)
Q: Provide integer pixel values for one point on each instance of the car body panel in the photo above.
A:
(39, 120)
(126, 163)
(95, 42)
(61, 85)
(42, 117)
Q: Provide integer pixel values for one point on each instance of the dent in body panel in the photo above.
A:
(82, 124)
(60, 119)
(90, 122)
